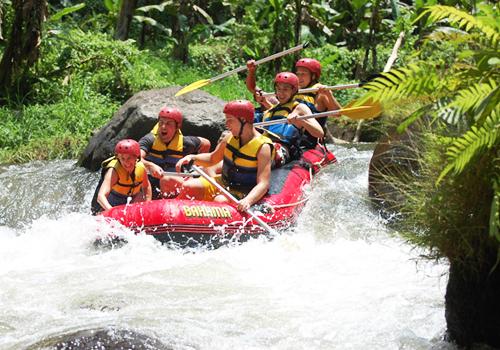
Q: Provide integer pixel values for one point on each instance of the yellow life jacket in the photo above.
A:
(239, 168)
(127, 184)
(286, 133)
(164, 155)
(308, 98)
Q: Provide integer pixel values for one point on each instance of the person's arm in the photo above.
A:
(146, 143)
(204, 146)
(251, 79)
(263, 101)
(108, 182)
(146, 188)
(205, 159)
(310, 125)
(325, 101)
(263, 179)
(154, 169)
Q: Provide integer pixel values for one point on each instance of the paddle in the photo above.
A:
(200, 83)
(233, 199)
(330, 87)
(174, 173)
(355, 113)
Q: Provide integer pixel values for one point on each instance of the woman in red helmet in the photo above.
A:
(289, 134)
(123, 178)
(164, 146)
(308, 71)
(246, 161)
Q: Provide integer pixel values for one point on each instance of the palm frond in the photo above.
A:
(461, 19)
(464, 148)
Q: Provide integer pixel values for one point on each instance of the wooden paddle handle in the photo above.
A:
(331, 87)
(263, 60)
(233, 198)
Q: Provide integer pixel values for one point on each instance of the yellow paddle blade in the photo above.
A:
(193, 86)
(370, 110)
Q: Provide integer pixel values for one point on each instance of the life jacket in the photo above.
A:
(308, 141)
(125, 186)
(128, 184)
(308, 98)
(239, 168)
(287, 133)
(166, 156)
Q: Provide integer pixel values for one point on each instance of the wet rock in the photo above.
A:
(393, 160)
(106, 338)
(348, 131)
(202, 117)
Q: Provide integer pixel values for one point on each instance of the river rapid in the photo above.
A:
(339, 280)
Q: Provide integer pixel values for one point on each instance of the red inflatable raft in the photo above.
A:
(194, 222)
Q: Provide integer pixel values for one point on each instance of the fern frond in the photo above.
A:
(415, 80)
(470, 99)
(461, 19)
(466, 147)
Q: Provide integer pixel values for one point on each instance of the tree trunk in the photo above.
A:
(298, 26)
(1, 20)
(23, 46)
(473, 303)
(179, 32)
(124, 19)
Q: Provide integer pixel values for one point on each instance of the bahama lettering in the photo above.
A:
(206, 212)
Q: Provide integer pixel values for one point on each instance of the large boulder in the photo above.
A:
(101, 338)
(202, 117)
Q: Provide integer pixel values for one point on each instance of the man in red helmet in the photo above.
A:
(123, 178)
(164, 146)
(246, 161)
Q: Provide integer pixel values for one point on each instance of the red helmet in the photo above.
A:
(287, 78)
(310, 63)
(171, 113)
(128, 146)
(240, 109)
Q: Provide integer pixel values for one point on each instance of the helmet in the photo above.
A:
(310, 63)
(287, 78)
(240, 109)
(128, 146)
(171, 113)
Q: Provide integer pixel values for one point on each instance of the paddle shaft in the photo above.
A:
(307, 116)
(232, 198)
(174, 173)
(331, 87)
(263, 60)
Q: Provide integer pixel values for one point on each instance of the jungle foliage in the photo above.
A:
(455, 198)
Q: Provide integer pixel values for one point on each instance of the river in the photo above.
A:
(339, 280)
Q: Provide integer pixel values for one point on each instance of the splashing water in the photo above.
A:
(339, 280)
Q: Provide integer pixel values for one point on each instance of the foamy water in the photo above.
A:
(339, 280)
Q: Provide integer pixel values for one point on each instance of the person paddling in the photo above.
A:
(164, 146)
(123, 178)
(308, 71)
(246, 161)
(286, 85)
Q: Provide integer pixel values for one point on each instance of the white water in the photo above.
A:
(340, 280)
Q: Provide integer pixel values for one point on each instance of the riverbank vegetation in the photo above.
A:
(67, 66)
(451, 201)
(81, 60)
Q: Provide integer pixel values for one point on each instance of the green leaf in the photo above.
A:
(58, 15)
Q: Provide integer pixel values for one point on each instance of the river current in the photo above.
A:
(339, 280)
